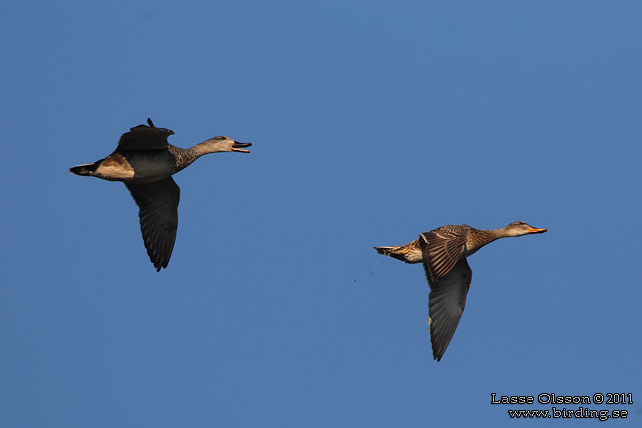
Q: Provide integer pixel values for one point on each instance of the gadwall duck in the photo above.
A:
(443, 252)
(145, 162)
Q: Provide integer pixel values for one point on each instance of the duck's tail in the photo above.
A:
(86, 169)
(409, 253)
(392, 251)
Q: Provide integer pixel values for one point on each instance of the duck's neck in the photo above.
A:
(184, 157)
(481, 237)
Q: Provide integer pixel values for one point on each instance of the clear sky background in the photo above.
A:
(371, 122)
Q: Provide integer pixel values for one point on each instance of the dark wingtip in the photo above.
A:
(437, 354)
(149, 121)
(158, 264)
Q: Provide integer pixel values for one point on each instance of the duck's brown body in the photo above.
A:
(443, 252)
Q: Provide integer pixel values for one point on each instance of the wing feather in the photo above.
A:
(446, 304)
(158, 204)
(143, 137)
(441, 249)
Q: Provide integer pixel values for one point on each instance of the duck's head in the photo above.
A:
(520, 228)
(224, 144)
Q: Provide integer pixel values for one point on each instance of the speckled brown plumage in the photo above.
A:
(443, 252)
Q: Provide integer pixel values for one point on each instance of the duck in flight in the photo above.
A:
(145, 161)
(443, 252)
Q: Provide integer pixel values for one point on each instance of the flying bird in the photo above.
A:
(443, 252)
(145, 161)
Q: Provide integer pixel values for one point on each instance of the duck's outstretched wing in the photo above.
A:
(441, 249)
(158, 203)
(446, 305)
(143, 137)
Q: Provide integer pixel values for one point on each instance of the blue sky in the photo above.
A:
(371, 122)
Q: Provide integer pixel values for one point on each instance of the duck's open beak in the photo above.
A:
(237, 147)
(533, 230)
